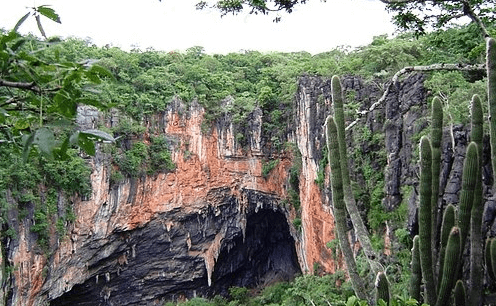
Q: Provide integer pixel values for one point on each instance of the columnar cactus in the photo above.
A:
(436, 138)
(356, 219)
(382, 287)
(449, 219)
(425, 213)
(491, 95)
(476, 244)
(449, 267)
(488, 259)
(470, 172)
(493, 256)
(459, 296)
(340, 209)
(416, 277)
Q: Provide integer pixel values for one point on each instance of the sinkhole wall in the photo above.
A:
(215, 221)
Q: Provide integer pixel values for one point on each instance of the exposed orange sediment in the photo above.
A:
(202, 164)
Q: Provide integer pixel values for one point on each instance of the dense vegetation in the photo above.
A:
(144, 82)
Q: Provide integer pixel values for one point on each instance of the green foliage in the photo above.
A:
(294, 180)
(135, 157)
(268, 166)
(456, 92)
(160, 155)
(320, 180)
(297, 223)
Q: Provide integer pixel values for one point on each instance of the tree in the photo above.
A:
(414, 15)
(36, 94)
(255, 7)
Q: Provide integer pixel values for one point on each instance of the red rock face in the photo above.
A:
(204, 161)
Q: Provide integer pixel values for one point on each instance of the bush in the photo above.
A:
(267, 167)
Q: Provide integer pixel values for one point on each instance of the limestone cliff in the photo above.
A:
(215, 221)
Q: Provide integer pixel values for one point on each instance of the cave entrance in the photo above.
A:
(266, 254)
(165, 267)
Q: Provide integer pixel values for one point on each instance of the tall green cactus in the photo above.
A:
(382, 288)
(491, 95)
(360, 229)
(470, 172)
(493, 255)
(449, 267)
(459, 295)
(416, 277)
(425, 214)
(449, 219)
(488, 259)
(340, 209)
(436, 138)
(476, 242)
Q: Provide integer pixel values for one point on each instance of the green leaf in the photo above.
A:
(40, 27)
(21, 124)
(45, 140)
(27, 141)
(18, 44)
(21, 21)
(101, 72)
(65, 105)
(87, 144)
(94, 78)
(9, 37)
(74, 76)
(74, 138)
(49, 13)
(101, 135)
(4, 112)
(61, 153)
(352, 301)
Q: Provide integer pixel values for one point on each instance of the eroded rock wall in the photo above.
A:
(159, 237)
(214, 221)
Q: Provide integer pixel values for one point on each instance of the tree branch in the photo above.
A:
(469, 11)
(21, 85)
(395, 79)
(27, 86)
(11, 101)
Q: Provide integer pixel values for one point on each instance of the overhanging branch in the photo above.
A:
(21, 85)
(31, 86)
(395, 79)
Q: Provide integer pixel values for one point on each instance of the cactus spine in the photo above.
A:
(425, 213)
(416, 277)
(476, 244)
(382, 287)
(358, 225)
(340, 209)
(450, 266)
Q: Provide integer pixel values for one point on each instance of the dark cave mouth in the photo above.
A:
(264, 256)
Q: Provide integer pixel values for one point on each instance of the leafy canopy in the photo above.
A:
(418, 16)
(39, 95)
